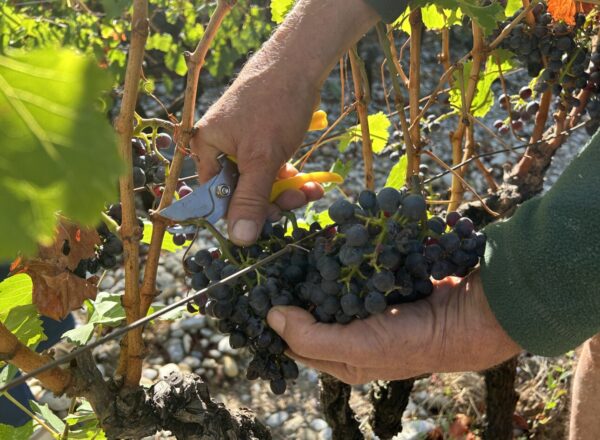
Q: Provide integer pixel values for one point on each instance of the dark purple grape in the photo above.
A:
(163, 141)
(375, 302)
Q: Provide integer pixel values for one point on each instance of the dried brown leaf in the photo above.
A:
(56, 290)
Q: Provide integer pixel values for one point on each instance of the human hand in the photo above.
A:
(452, 330)
(262, 118)
(262, 141)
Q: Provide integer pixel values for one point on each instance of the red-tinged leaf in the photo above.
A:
(564, 10)
(56, 290)
(520, 422)
(460, 427)
(435, 434)
(15, 264)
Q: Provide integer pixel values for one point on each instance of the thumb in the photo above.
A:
(307, 337)
(249, 205)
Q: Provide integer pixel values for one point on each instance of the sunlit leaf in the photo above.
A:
(49, 160)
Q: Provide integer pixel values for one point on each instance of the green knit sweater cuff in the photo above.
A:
(389, 10)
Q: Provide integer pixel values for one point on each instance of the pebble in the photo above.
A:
(326, 434)
(312, 376)
(216, 338)
(166, 370)
(179, 333)
(209, 363)
(175, 350)
(415, 429)
(204, 343)
(192, 324)
(318, 424)
(150, 373)
(224, 346)
(293, 424)
(215, 354)
(187, 343)
(107, 283)
(206, 332)
(277, 419)
(230, 366)
(36, 390)
(55, 403)
(119, 286)
(306, 434)
(191, 362)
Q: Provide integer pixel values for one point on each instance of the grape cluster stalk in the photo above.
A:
(382, 251)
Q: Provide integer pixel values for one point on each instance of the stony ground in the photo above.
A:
(437, 402)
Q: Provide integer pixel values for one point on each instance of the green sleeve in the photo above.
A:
(541, 269)
(389, 10)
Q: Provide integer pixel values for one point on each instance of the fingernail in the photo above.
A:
(245, 231)
(276, 320)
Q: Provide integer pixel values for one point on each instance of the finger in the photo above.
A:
(205, 156)
(354, 375)
(287, 171)
(291, 199)
(313, 191)
(250, 202)
(309, 338)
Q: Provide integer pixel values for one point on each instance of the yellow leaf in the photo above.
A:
(564, 10)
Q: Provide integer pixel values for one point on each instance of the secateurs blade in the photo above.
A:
(210, 201)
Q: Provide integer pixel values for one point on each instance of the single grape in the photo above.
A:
(464, 227)
(191, 266)
(525, 93)
(341, 211)
(437, 225)
(389, 200)
(278, 386)
(357, 235)
(113, 245)
(179, 239)
(368, 201)
(237, 339)
(450, 241)
(331, 304)
(139, 177)
(203, 258)
(414, 207)
(259, 298)
(328, 268)
(452, 218)
(375, 302)
(199, 281)
(289, 369)
(138, 147)
(351, 256)
(163, 141)
(351, 304)
(383, 281)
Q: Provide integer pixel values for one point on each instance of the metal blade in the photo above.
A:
(209, 201)
(198, 204)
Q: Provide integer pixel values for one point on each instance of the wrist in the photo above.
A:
(312, 39)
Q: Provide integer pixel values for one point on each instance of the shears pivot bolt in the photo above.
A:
(223, 191)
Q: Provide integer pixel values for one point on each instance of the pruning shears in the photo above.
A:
(210, 202)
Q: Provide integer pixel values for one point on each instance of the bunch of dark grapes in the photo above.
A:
(106, 254)
(382, 251)
(551, 52)
(148, 166)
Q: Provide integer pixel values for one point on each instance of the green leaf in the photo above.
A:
(397, 176)
(512, 6)
(106, 309)
(114, 8)
(25, 324)
(173, 315)
(487, 17)
(15, 291)
(158, 41)
(84, 424)
(341, 168)
(484, 97)
(49, 160)
(280, 8)
(436, 18)
(379, 125)
(6, 374)
(24, 432)
(47, 415)
(167, 244)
